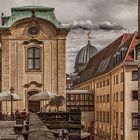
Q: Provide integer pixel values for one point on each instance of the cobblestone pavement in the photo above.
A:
(6, 129)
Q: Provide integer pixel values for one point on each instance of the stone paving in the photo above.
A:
(6, 129)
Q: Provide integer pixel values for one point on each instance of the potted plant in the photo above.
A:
(57, 101)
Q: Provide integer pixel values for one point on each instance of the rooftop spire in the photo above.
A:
(88, 34)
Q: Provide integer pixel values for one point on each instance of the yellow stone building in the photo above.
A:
(113, 76)
(32, 54)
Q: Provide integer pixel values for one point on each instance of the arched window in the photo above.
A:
(33, 58)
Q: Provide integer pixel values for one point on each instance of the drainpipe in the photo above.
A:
(110, 98)
(138, 58)
(123, 102)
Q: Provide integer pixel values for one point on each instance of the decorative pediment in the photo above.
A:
(33, 83)
(32, 29)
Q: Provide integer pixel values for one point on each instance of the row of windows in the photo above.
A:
(102, 99)
(103, 83)
(118, 116)
(118, 79)
(134, 95)
(118, 96)
(82, 101)
(80, 97)
(82, 108)
(102, 116)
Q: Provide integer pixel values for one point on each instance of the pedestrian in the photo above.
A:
(23, 114)
(17, 114)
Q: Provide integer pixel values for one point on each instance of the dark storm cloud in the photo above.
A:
(107, 26)
(89, 25)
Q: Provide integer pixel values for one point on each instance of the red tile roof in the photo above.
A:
(103, 61)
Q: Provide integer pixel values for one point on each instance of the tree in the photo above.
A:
(57, 101)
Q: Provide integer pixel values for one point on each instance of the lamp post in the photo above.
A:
(11, 91)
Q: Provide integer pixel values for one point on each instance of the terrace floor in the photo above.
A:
(6, 129)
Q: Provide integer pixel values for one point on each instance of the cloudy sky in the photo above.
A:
(105, 19)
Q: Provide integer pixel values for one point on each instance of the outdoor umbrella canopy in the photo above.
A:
(84, 134)
(42, 96)
(6, 96)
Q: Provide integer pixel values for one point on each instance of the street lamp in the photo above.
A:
(11, 91)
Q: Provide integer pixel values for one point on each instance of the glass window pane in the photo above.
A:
(30, 53)
(30, 63)
(134, 75)
(37, 63)
(37, 53)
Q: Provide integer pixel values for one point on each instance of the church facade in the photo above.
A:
(32, 55)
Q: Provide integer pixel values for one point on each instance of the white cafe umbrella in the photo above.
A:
(6, 96)
(42, 96)
(9, 96)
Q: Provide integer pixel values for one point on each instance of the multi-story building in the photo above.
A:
(32, 55)
(82, 99)
(112, 74)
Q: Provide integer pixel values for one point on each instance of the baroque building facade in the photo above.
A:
(32, 55)
(113, 76)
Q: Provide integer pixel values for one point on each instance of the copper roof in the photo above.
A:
(85, 54)
(19, 13)
(102, 62)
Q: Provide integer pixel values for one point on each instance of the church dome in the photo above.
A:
(85, 54)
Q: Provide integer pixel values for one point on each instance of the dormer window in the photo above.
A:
(123, 52)
(33, 58)
(117, 57)
(114, 59)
